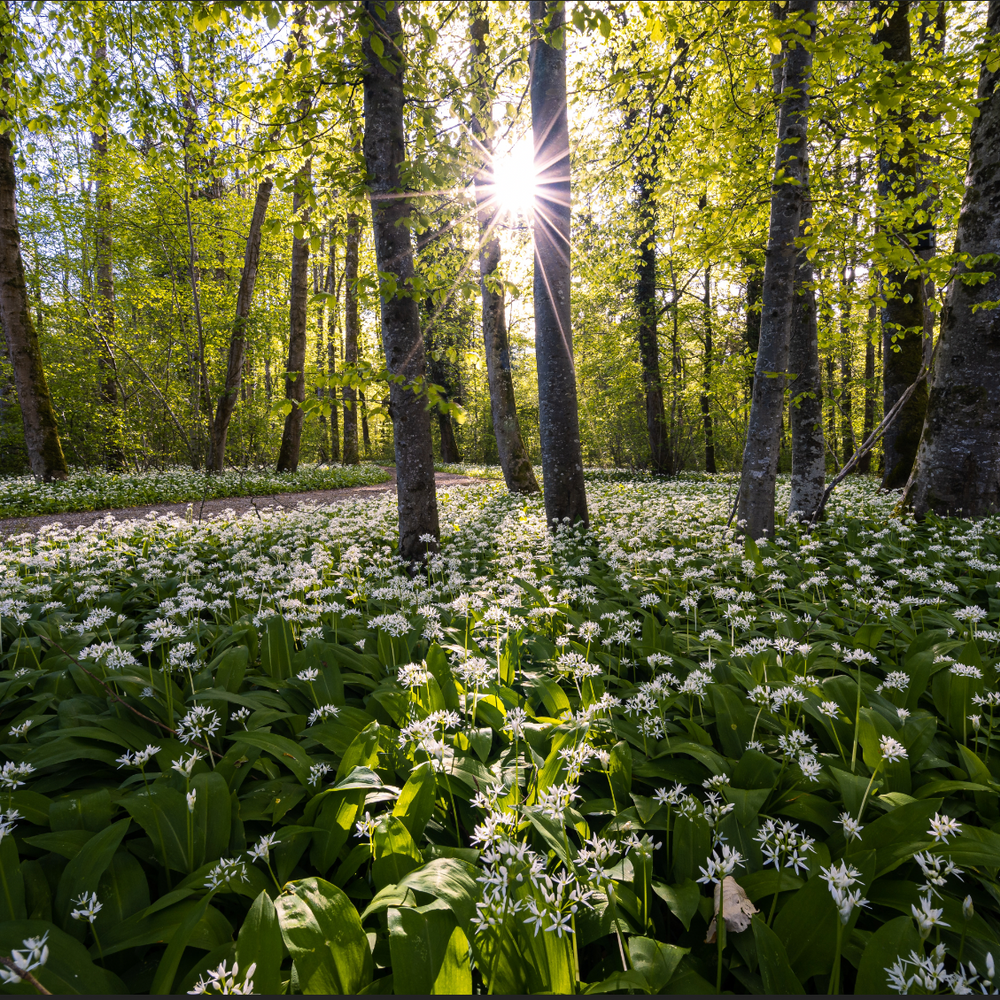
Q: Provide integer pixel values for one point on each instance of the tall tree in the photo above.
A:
(901, 186)
(760, 456)
(706, 376)
(332, 287)
(404, 348)
(958, 463)
(351, 330)
(104, 280)
(514, 461)
(298, 294)
(41, 433)
(806, 406)
(237, 338)
(558, 417)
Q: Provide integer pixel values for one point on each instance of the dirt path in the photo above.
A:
(203, 509)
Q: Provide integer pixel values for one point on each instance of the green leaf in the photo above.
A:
(321, 930)
(775, 969)
(163, 980)
(396, 854)
(894, 939)
(277, 646)
(69, 969)
(620, 773)
(429, 951)
(12, 904)
(807, 927)
(84, 872)
(449, 879)
(260, 941)
(682, 899)
(415, 804)
(656, 962)
(285, 751)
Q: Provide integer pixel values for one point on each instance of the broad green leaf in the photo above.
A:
(12, 902)
(285, 751)
(682, 899)
(260, 941)
(655, 961)
(429, 952)
(415, 804)
(84, 872)
(163, 980)
(894, 939)
(277, 647)
(775, 969)
(321, 930)
(69, 969)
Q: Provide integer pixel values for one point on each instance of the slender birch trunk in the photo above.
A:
(351, 329)
(237, 338)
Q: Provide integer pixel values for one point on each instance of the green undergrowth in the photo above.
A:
(258, 742)
(22, 496)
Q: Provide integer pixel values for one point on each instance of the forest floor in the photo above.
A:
(10, 526)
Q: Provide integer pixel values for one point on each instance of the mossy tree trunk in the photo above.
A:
(958, 463)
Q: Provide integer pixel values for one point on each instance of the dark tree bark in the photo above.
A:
(958, 464)
(104, 282)
(806, 406)
(41, 433)
(332, 287)
(351, 329)
(660, 457)
(295, 375)
(903, 314)
(864, 465)
(706, 382)
(439, 325)
(319, 285)
(760, 456)
(846, 374)
(237, 339)
(404, 347)
(755, 289)
(514, 461)
(558, 417)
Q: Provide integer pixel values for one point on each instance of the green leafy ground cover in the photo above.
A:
(21, 496)
(257, 742)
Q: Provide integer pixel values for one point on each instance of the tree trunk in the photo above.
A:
(514, 460)
(351, 329)
(755, 289)
(295, 377)
(760, 456)
(319, 285)
(646, 308)
(237, 339)
(846, 374)
(41, 434)
(404, 347)
(558, 418)
(706, 381)
(864, 465)
(332, 287)
(958, 464)
(903, 314)
(806, 406)
(104, 283)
